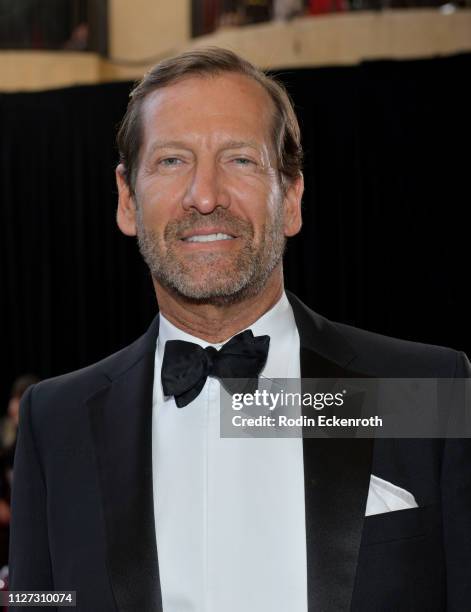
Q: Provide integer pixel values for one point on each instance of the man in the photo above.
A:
(124, 490)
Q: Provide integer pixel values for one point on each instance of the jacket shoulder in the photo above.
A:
(368, 353)
(386, 356)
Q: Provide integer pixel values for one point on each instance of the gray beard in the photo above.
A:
(245, 274)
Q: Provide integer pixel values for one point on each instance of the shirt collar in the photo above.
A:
(278, 323)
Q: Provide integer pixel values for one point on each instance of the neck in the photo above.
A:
(217, 323)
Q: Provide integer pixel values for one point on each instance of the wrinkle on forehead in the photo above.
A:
(179, 108)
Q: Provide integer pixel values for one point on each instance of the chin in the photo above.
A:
(231, 290)
(208, 291)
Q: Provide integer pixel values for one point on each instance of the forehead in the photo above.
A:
(215, 106)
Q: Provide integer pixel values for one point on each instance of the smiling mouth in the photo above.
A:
(208, 238)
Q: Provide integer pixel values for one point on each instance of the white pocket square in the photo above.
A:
(384, 496)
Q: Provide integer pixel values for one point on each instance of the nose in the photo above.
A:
(205, 191)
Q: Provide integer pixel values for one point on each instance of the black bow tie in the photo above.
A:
(186, 366)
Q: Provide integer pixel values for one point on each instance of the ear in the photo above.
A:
(292, 204)
(126, 213)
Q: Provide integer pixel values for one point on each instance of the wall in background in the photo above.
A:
(339, 39)
(145, 28)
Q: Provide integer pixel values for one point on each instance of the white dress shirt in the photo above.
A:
(229, 512)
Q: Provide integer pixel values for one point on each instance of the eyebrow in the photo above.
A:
(179, 144)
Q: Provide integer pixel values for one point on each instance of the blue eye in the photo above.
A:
(244, 160)
(169, 161)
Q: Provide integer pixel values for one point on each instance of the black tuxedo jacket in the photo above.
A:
(83, 504)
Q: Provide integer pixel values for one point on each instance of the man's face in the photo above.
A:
(208, 210)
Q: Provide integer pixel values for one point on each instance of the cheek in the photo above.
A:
(160, 203)
(253, 200)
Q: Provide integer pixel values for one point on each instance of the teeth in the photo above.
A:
(209, 238)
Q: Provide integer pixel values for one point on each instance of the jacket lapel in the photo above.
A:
(336, 476)
(121, 417)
